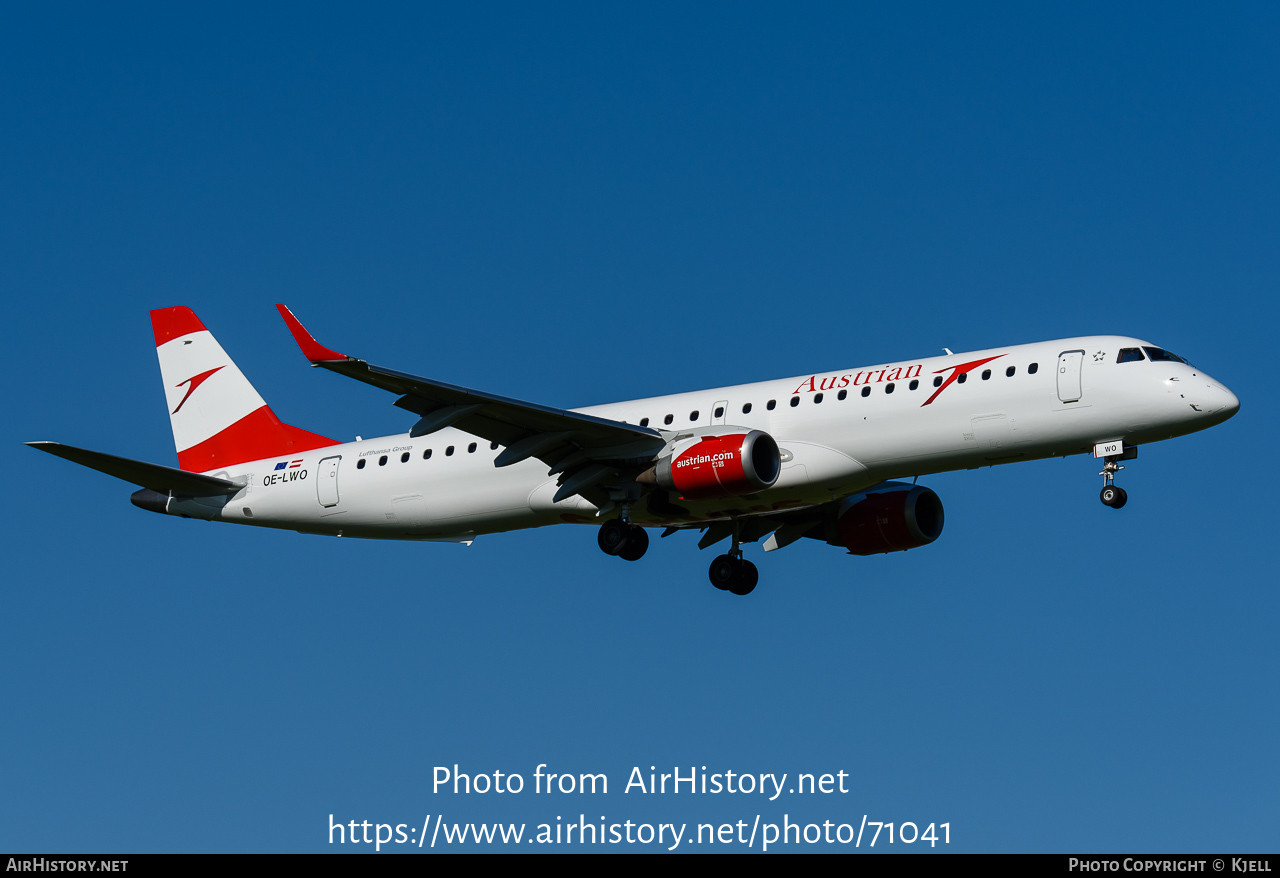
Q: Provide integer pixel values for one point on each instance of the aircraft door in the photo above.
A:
(327, 483)
(718, 411)
(1069, 363)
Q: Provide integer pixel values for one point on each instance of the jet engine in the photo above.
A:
(729, 465)
(894, 518)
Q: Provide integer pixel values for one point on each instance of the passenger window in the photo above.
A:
(986, 374)
(448, 452)
(888, 388)
(1033, 368)
(1008, 373)
(426, 455)
(937, 382)
(914, 384)
(773, 403)
(842, 394)
(795, 401)
(866, 391)
(1130, 355)
(719, 411)
(644, 422)
(493, 446)
(817, 399)
(693, 416)
(964, 376)
(382, 461)
(746, 409)
(471, 449)
(361, 464)
(668, 419)
(404, 458)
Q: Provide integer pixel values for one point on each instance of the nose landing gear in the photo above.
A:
(1112, 495)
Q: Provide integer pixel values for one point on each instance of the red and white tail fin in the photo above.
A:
(218, 419)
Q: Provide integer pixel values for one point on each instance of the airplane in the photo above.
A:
(822, 456)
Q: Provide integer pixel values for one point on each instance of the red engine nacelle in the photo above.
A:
(892, 520)
(722, 466)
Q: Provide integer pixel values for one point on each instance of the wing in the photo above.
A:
(585, 449)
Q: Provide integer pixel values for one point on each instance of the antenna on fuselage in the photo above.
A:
(948, 350)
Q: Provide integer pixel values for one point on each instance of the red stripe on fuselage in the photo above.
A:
(255, 436)
(170, 323)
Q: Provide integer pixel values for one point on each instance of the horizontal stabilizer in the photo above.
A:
(146, 475)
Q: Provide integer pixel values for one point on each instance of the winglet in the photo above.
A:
(311, 349)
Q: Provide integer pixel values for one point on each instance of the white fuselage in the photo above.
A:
(444, 486)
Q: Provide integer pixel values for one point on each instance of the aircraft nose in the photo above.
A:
(1217, 401)
(1228, 402)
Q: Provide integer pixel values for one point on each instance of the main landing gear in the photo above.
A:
(1112, 495)
(628, 541)
(730, 572)
(733, 573)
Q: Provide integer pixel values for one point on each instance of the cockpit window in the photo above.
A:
(1130, 355)
(1157, 355)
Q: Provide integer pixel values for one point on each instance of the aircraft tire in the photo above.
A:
(1113, 496)
(746, 580)
(636, 545)
(724, 572)
(613, 537)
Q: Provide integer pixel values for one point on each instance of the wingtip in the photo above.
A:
(311, 349)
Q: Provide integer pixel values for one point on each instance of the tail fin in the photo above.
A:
(218, 419)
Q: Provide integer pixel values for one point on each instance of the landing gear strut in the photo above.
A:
(627, 541)
(1112, 495)
(732, 572)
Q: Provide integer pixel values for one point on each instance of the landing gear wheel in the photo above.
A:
(613, 537)
(637, 543)
(732, 574)
(1113, 497)
(748, 576)
(724, 572)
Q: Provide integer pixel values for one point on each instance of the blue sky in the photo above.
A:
(573, 205)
